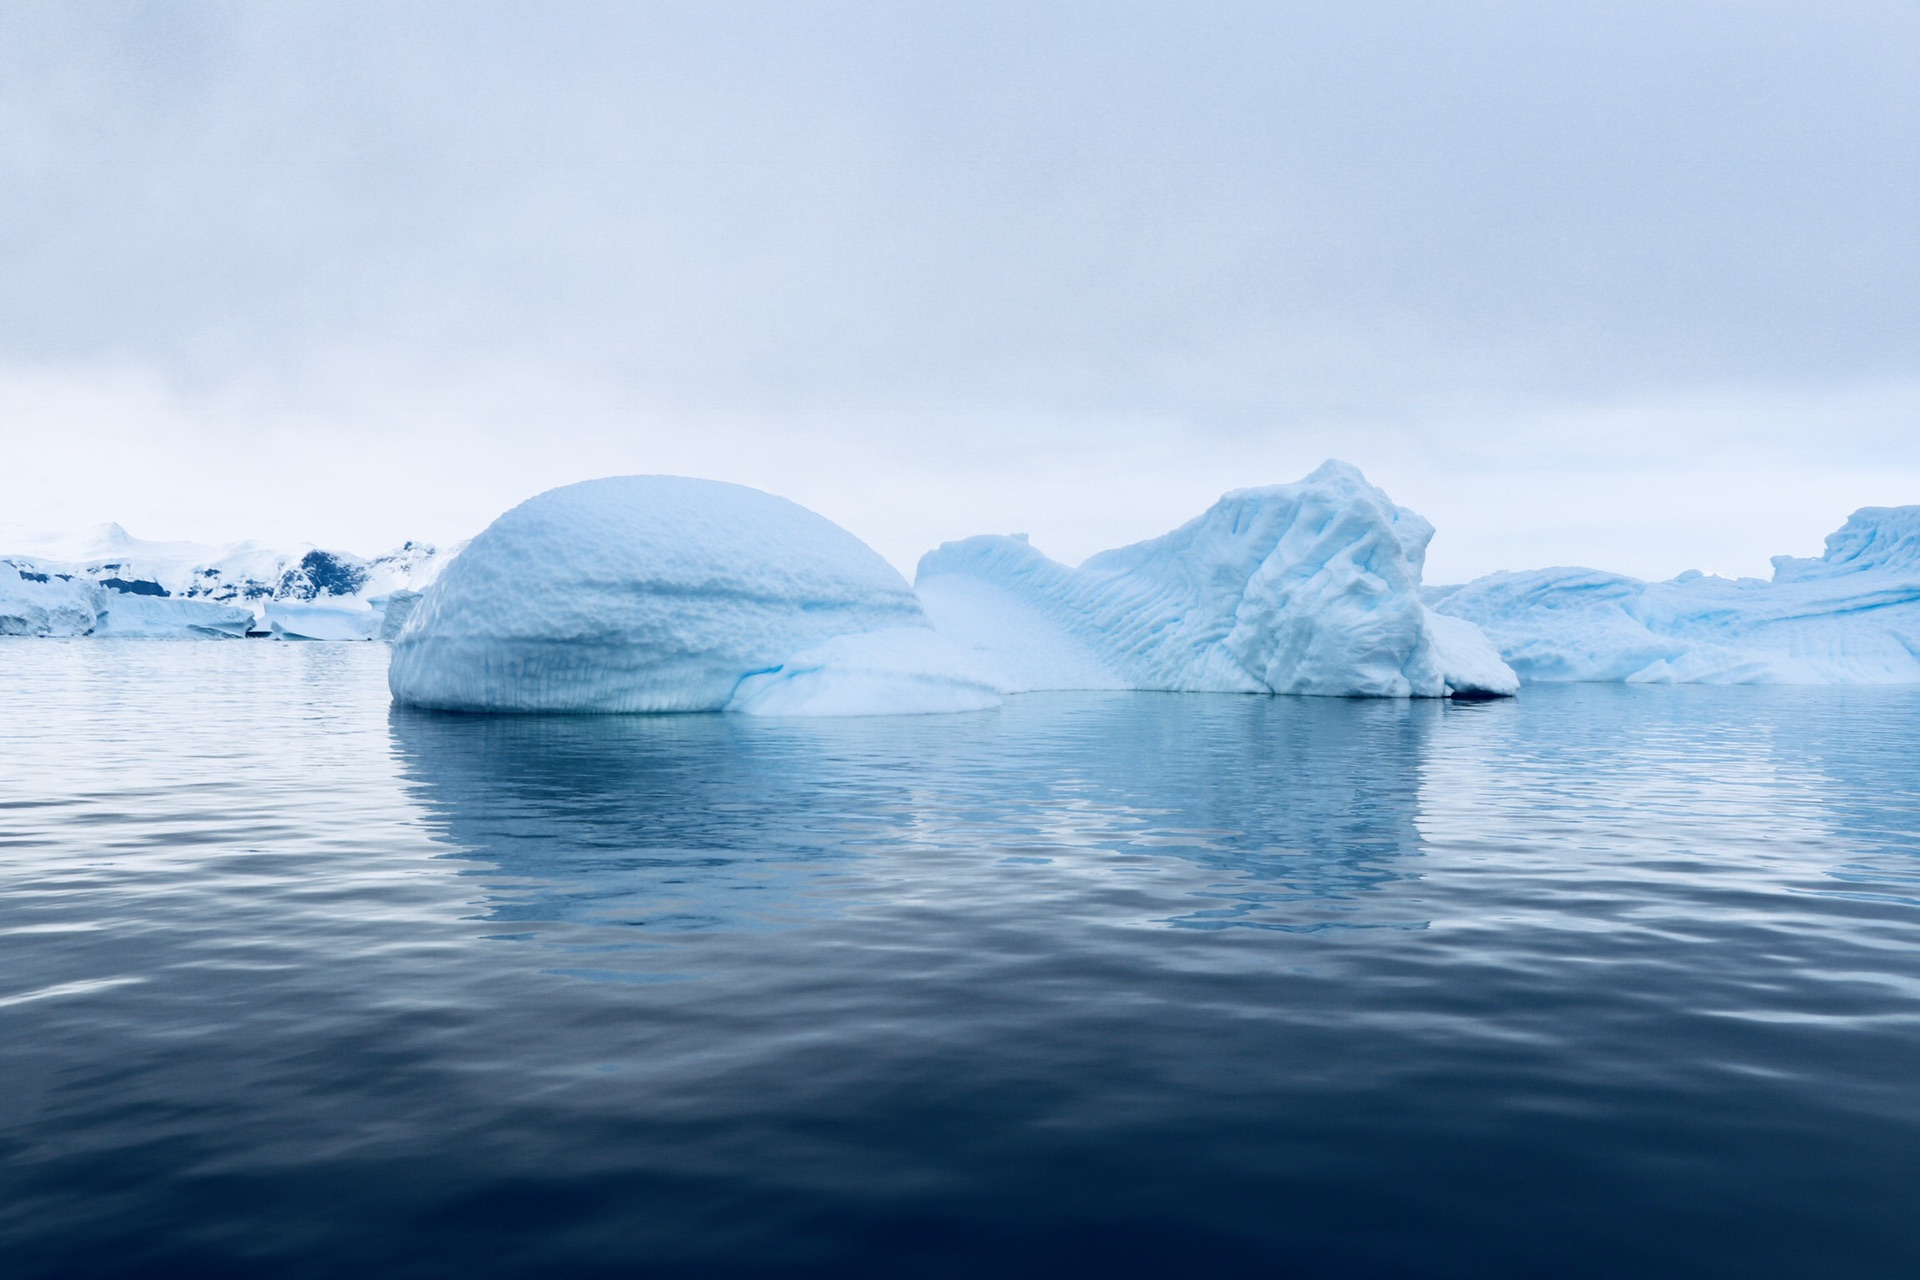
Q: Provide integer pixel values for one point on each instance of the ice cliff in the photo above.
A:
(1307, 588)
(1849, 616)
(108, 583)
(661, 593)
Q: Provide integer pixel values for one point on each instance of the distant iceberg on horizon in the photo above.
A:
(105, 582)
(1848, 616)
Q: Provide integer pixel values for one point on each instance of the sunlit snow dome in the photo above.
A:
(662, 593)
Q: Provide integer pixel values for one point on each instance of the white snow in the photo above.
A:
(1307, 588)
(105, 582)
(661, 593)
(1472, 664)
(1022, 646)
(38, 600)
(1850, 616)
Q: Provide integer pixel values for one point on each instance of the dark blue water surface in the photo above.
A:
(1598, 982)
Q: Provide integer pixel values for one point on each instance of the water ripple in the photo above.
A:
(1601, 981)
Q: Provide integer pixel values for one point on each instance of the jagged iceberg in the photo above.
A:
(108, 583)
(1849, 616)
(1307, 588)
(661, 593)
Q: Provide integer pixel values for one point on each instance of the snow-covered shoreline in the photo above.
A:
(105, 582)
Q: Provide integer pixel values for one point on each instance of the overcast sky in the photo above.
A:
(1626, 284)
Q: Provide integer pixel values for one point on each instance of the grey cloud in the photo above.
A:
(1214, 211)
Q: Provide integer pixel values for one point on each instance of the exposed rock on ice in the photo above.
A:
(108, 583)
(1304, 588)
(660, 593)
(1850, 616)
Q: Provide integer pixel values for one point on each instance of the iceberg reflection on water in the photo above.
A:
(681, 822)
(1096, 983)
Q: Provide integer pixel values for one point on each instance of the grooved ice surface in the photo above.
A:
(1849, 616)
(662, 593)
(1310, 588)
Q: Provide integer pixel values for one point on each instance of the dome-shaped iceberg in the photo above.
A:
(662, 593)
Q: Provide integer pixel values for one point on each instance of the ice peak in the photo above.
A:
(1310, 587)
(1873, 538)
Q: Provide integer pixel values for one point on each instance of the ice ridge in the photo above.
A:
(1307, 588)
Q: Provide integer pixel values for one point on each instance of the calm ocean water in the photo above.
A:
(1598, 982)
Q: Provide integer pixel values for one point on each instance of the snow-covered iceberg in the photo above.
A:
(662, 593)
(1849, 616)
(106, 582)
(1306, 588)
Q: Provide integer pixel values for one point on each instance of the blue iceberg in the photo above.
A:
(1849, 616)
(662, 593)
(1306, 588)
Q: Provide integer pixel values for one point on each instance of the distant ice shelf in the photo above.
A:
(107, 583)
(1848, 616)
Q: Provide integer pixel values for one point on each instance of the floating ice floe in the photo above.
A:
(661, 593)
(107, 583)
(1307, 588)
(1849, 616)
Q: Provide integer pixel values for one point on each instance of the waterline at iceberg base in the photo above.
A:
(662, 593)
